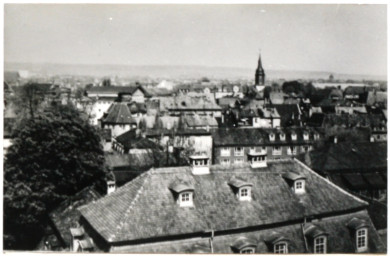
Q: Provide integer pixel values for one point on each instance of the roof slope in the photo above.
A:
(351, 156)
(146, 208)
(118, 113)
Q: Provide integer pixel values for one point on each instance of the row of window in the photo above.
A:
(282, 136)
(276, 150)
(319, 244)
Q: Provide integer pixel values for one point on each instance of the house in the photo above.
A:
(290, 115)
(350, 165)
(63, 220)
(221, 209)
(134, 139)
(236, 146)
(377, 97)
(130, 93)
(199, 122)
(118, 119)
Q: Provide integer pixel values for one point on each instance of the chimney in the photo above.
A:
(111, 187)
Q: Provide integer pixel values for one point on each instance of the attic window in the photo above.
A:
(242, 189)
(186, 199)
(244, 245)
(184, 192)
(296, 181)
(281, 247)
(305, 135)
(360, 229)
(293, 136)
(272, 137)
(320, 244)
(282, 137)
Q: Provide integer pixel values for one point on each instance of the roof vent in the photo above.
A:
(200, 164)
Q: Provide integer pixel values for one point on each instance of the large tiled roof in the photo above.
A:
(116, 89)
(146, 208)
(191, 103)
(118, 113)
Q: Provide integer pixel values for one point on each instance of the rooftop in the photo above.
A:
(146, 208)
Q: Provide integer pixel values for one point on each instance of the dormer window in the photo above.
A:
(316, 136)
(305, 135)
(183, 192)
(317, 237)
(360, 228)
(293, 136)
(281, 247)
(296, 181)
(276, 243)
(186, 199)
(242, 189)
(320, 244)
(272, 137)
(244, 245)
(282, 136)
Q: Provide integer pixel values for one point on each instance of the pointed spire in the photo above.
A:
(260, 74)
(259, 64)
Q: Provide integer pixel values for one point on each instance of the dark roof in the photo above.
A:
(242, 137)
(66, 215)
(117, 89)
(349, 156)
(316, 120)
(288, 114)
(131, 139)
(146, 208)
(118, 113)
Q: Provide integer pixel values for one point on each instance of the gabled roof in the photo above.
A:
(313, 231)
(145, 207)
(118, 113)
(356, 223)
(293, 176)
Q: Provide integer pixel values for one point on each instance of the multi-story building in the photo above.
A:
(235, 146)
(278, 207)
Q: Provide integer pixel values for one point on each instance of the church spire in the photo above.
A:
(260, 74)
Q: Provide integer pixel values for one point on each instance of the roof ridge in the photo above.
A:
(330, 183)
(125, 215)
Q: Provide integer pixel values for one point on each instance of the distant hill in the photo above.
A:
(173, 72)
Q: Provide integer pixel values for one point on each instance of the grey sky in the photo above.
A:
(337, 38)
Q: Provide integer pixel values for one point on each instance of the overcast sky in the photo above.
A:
(336, 38)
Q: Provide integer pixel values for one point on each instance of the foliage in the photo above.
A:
(53, 156)
(106, 82)
(28, 98)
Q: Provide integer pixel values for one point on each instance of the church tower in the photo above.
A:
(260, 74)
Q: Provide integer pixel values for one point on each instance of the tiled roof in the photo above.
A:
(196, 121)
(352, 156)
(340, 240)
(118, 113)
(131, 140)
(146, 208)
(192, 103)
(287, 112)
(66, 215)
(116, 89)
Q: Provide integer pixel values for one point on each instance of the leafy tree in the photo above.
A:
(107, 82)
(53, 156)
(28, 98)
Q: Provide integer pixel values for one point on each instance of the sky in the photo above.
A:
(350, 39)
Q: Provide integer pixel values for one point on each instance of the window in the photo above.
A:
(305, 136)
(238, 151)
(225, 152)
(277, 150)
(225, 161)
(238, 161)
(185, 199)
(361, 239)
(247, 250)
(244, 193)
(294, 136)
(282, 137)
(292, 150)
(280, 248)
(272, 137)
(252, 149)
(298, 185)
(320, 244)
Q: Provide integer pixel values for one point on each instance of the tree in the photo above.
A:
(28, 98)
(54, 155)
(106, 82)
